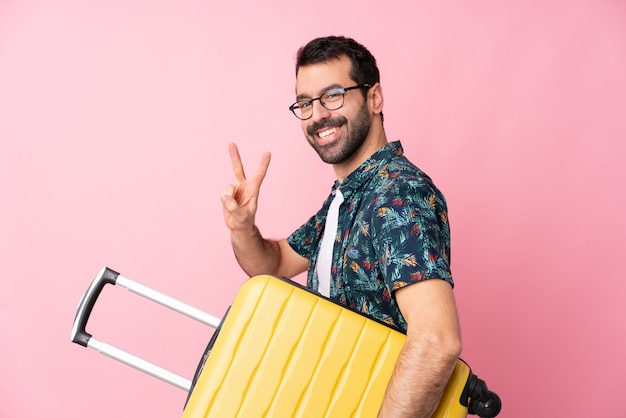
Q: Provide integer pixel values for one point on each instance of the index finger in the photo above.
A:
(235, 160)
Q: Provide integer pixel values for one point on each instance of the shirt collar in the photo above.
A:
(369, 168)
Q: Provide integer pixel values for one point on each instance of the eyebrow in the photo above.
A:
(324, 90)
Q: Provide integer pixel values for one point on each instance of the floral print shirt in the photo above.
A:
(393, 231)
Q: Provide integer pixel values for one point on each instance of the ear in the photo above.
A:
(375, 98)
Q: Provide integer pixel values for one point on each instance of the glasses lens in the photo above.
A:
(332, 99)
(302, 109)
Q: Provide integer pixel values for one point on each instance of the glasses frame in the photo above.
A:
(341, 90)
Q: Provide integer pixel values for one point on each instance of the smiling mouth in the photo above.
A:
(327, 132)
(326, 127)
(328, 135)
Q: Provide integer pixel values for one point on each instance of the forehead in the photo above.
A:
(312, 80)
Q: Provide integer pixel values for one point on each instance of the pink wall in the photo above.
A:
(114, 124)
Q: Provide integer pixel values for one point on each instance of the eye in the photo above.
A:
(304, 104)
(331, 95)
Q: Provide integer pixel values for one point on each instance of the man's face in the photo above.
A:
(334, 134)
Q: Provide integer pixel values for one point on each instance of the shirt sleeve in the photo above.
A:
(302, 239)
(412, 234)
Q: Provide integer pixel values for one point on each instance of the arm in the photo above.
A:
(255, 254)
(430, 353)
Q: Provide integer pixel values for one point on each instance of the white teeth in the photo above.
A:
(330, 131)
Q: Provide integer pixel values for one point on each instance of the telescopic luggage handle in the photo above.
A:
(82, 337)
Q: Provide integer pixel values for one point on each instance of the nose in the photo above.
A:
(320, 113)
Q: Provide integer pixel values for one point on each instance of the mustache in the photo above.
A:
(328, 123)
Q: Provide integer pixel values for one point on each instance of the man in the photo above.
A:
(380, 243)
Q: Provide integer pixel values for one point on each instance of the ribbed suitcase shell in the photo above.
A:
(284, 351)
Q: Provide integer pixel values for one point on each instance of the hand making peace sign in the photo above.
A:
(239, 200)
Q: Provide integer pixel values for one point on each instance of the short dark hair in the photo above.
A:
(364, 69)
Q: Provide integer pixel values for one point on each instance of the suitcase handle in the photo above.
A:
(87, 302)
(82, 337)
(108, 276)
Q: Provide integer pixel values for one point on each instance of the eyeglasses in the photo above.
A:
(331, 100)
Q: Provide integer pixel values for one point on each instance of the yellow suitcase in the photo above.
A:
(284, 351)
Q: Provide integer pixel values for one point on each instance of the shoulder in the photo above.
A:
(401, 182)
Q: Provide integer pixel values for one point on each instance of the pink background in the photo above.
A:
(114, 122)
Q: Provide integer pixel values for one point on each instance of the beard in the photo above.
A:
(341, 149)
